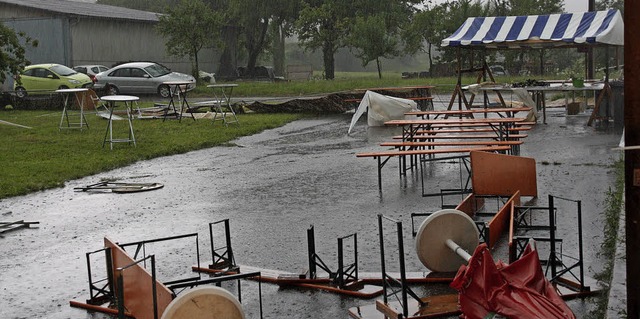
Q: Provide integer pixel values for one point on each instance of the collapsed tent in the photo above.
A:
(552, 30)
(518, 290)
(381, 108)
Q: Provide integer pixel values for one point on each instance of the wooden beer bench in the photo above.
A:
(500, 126)
(384, 156)
(421, 94)
(515, 144)
(471, 130)
(514, 137)
(415, 98)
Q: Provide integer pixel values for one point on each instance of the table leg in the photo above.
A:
(64, 112)
(80, 99)
(171, 105)
(186, 103)
(129, 108)
(109, 131)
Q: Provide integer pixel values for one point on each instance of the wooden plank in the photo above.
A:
(449, 130)
(413, 98)
(450, 143)
(299, 72)
(500, 220)
(387, 311)
(462, 136)
(499, 120)
(137, 285)
(467, 112)
(499, 174)
(433, 151)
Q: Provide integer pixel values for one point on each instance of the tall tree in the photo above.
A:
(12, 55)
(252, 16)
(379, 30)
(230, 35)
(371, 40)
(189, 27)
(325, 25)
(285, 13)
(436, 22)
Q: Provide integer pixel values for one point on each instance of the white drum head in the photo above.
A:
(204, 303)
(433, 233)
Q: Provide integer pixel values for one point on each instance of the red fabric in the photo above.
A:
(519, 290)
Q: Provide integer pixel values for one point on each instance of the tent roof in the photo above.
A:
(538, 31)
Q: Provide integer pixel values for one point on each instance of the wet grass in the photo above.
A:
(614, 205)
(344, 81)
(44, 157)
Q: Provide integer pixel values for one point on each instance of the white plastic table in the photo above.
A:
(65, 108)
(178, 91)
(223, 93)
(111, 100)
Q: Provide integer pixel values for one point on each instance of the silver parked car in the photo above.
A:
(140, 77)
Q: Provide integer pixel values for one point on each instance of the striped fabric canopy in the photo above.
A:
(595, 28)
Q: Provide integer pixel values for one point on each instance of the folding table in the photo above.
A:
(65, 109)
(222, 93)
(127, 100)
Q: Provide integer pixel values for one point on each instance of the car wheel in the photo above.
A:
(112, 90)
(21, 92)
(164, 91)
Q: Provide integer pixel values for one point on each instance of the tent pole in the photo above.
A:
(457, 91)
(460, 77)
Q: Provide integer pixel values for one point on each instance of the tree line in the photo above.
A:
(245, 31)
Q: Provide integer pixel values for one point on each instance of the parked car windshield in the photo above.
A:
(156, 70)
(63, 70)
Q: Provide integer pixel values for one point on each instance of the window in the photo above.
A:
(40, 73)
(124, 72)
(137, 73)
(97, 69)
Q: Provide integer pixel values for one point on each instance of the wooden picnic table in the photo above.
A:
(448, 152)
(423, 96)
(500, 125)
(501, 112)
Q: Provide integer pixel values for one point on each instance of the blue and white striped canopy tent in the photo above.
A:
(539, 31)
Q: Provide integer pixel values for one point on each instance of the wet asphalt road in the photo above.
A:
(272, 186)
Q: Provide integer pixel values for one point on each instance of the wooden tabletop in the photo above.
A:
(472, 111)
(497, 120)
(399, 88)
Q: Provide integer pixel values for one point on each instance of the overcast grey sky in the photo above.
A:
(569, 5)
(576, 5)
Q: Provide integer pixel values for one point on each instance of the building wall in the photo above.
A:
(52, 36)
(100, 41)
(75, 40)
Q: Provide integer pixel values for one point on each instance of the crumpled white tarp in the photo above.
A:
(381, 108)
(526, 99)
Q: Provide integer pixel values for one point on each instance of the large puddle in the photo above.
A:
(272, 186)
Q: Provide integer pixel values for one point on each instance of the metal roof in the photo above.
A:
(86, 9)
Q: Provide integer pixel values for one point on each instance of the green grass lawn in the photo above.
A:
(44, 157)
